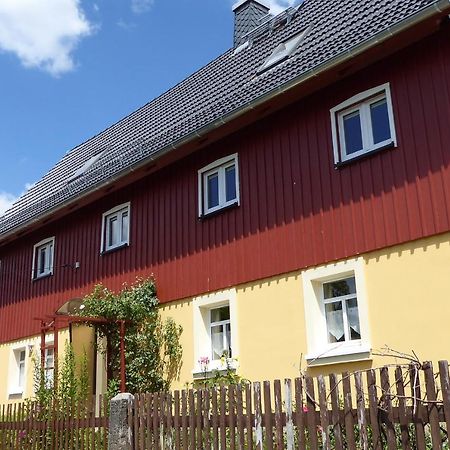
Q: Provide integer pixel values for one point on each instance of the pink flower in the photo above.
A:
(305, 409)
(204, 360)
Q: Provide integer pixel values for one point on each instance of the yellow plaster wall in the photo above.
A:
(270, 339)
(182, 313)
(83, 343)
(409, 298)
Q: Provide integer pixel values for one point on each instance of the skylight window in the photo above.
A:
(283, 51)
(85, 167)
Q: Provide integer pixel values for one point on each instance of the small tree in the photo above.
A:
(152, 346)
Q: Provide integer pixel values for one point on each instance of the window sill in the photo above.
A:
(114, 249)
(16, 391)
(339, 354)
(218, 211)
(214, 367)
(348, 161)
(41, 277)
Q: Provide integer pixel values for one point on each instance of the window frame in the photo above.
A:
(117, 212)
(221, 323)
(361, 102)
(202, 307)
(45, 243)
(15, 387)
(220, 167)
(342, 299)
(319, 349)
(49, 370)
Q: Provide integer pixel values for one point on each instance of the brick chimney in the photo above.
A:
(247, 16)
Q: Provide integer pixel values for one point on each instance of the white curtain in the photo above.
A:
(353, 318)
(335, 324)
(217, 342)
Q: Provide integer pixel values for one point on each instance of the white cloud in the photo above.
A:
(277, 6)
(6, 200)
(141, 6)
(43, 33)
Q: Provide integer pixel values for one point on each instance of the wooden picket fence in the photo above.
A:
(394, 407)
(402, 407)
(30, 426)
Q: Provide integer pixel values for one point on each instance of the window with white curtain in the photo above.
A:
(17, 371)
(220, 332)
(341, 310)
(215, 331)
(336, 312)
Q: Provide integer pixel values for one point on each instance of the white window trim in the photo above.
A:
(360, 102)
(202, 192)
(49, 380)
(34, 274)
(13, 373)
(202, 338)
(116, 209)
(319, 350)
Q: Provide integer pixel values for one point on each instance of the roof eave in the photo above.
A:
(439, 8)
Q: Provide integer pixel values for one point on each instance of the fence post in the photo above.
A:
(120, 427)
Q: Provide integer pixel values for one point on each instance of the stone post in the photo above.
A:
(120, 432)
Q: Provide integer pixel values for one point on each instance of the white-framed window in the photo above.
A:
(341, 310)
(43, 256)
(17, 372)
(220, 332)
(336, 312)
(215, 331)
(49, 366)
(116, 227)
(218, 185)
(363, 124)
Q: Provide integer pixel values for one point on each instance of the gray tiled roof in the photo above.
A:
(225, 85)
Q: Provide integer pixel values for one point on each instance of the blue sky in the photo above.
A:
(71, 68)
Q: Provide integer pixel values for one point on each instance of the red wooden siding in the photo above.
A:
(296, 209)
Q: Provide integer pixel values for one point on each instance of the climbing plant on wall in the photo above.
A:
(153, 353)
